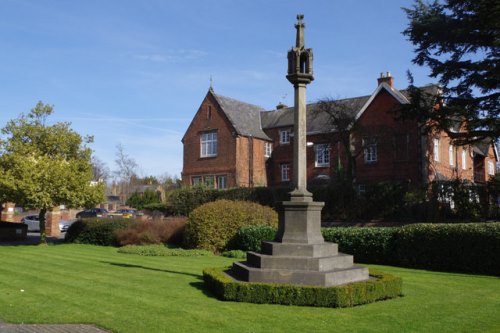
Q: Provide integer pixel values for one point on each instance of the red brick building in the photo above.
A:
(230, 143)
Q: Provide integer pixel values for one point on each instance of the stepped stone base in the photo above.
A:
(301, 264)
(300, 256)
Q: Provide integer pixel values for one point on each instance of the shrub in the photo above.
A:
(385, 286)
(162, 250)
(249, 238)
(214, 225)
(155, 231)
(96, 231)
(462, 247)
(238, 254)
(368, 245)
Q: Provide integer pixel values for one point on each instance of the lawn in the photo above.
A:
(129, 293)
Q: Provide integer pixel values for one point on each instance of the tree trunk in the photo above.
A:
(43, 235)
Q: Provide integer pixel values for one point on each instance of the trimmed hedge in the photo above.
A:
(214, 225)
(471, 248)
(98, 231)
(368, 245)
(462, 247)
(161, 250)
(385, 286)
(249, 238)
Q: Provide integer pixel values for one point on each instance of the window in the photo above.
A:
(209, 112)
(322, 152)
(370, 150)
(451, 155)
(221, 182)
(209, 181)
(285, 172)
(491, 168)
(208, 143)
(435, 150)
(284, 136)
(268, 148)
(464, 159)
(195, 181)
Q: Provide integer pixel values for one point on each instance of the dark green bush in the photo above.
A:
(97, 231)
(214, 225)
(461, 247)
(368, 245)
(385, 286)
(249, 238)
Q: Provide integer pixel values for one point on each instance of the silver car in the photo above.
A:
(33, 223)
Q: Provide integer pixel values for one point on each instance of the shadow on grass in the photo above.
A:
(119, 264)
(203, 288)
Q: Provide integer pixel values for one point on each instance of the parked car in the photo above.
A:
(33, 223)
(92, 212)
(123, 213)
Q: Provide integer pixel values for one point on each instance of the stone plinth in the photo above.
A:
(300, 255)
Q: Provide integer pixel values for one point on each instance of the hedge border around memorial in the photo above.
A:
(382, 286)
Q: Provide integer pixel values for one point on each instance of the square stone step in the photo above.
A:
(324, 249)
(340, 260)
(334, 277)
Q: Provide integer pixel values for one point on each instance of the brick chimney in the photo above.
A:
(387, 79)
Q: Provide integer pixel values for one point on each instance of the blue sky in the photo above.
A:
(134, 72)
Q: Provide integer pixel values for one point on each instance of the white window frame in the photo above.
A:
(491, 168)
(285, 172)
(435, 150)
(451, 155)
(196, 181)
(221, 182)
(370, 150)
(322, 155)
(208, 144)
(464, 159)
(284, 137)
(268, 149)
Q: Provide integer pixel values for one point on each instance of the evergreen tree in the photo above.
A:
(459, 40)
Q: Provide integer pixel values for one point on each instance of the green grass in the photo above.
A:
(128, 293)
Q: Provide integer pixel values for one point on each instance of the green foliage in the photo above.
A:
(460, 247)
(98, 231)
(214, 225)
(368, 245)
(384, 286)
(238, 254)
(162, 250)
(473, 247)
(250, 238)
(458, 41)
(141, 200)
(155, 231)
(44, 166)
(183, 201)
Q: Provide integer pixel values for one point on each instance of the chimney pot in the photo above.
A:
(387, 79)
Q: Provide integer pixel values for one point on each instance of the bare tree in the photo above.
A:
(126, 165)
(100, 170)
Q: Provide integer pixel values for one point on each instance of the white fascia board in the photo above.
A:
(395, 93)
